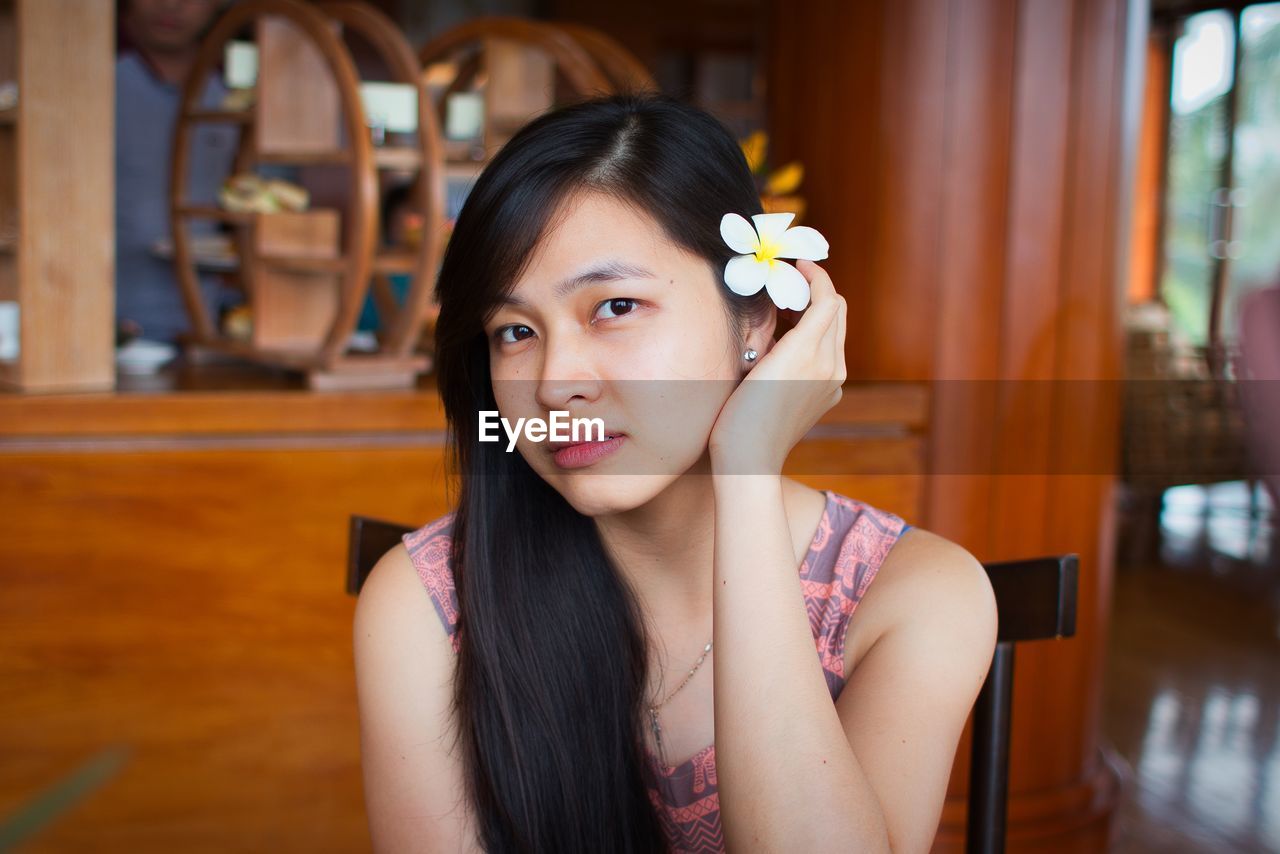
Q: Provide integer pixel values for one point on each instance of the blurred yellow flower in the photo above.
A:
(785, 180)
(754, 148)
(781, 182)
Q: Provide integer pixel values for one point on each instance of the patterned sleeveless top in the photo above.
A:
(848, 547)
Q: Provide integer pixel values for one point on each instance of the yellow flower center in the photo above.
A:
(768, 251)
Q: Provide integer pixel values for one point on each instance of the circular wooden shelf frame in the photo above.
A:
(582, 72)
(328, 365)
(591, 62)
(429, 186)
(620, 66)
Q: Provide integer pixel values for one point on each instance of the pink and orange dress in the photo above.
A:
(848, 547)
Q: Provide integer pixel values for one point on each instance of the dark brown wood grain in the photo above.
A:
(965, 159)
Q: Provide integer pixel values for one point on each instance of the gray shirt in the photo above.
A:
(146, 111)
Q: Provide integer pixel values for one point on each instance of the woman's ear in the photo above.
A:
(760, 333)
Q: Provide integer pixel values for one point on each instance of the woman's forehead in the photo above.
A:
(590, 221)
(597, 236)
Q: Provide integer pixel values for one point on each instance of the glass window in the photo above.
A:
(1201, 83)
(1255, 246)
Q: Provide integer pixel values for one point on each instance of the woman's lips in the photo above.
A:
(585, 453)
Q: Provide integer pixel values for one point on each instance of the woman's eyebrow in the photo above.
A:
(609, 271)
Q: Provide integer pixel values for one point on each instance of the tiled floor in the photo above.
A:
(1193, 678)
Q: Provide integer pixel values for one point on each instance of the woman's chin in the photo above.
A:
(607, 494)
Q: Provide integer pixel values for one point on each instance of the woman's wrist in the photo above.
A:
(738, 460)
(746, 487)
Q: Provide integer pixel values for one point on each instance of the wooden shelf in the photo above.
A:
(398, 157)
(392, 157)
(304, 264)
(304, 270)
(388, 260)
(209, 212)
(238, 117)
(460, 149)
(305, 158)
(394, 261)
(209, 252)
(464, 169)
(295, 359)
(357, 370)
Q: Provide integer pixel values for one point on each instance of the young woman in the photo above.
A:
(647, 642)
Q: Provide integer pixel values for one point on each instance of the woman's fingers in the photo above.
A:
(822, 293)
(822, 300)
(828, 308)
(842, 317)
(818, 338)
(820, 286)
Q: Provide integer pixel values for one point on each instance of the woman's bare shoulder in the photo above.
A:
(927, 585)
(404, 665)
(395, 623)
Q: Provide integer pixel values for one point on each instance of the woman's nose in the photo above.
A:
(568, 372)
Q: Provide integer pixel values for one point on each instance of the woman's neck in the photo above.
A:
(664, 550)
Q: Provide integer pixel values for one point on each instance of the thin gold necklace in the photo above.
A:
(653, 710)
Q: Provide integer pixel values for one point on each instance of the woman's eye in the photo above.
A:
(516, 332)
(513, 334)
(618, 306)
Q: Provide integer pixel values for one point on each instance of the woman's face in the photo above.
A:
(612, 320)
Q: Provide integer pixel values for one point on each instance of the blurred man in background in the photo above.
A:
(158, 42)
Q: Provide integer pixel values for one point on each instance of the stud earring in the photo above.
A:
(750, 355)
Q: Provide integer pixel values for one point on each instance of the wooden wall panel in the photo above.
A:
(825, 118)
(973, 197)
(1033, 269)
(896, 327)
(191, 607)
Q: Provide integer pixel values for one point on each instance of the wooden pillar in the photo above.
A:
(968, 160)
(57, 190)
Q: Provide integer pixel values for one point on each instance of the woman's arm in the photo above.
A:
(930, 630)
(413, 780)
(795, 771)
(788, 779)
(870, 772)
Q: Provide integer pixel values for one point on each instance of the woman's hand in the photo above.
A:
(788, 390)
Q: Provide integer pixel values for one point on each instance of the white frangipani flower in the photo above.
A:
(762, 245)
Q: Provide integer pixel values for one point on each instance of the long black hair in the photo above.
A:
(552, 665)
